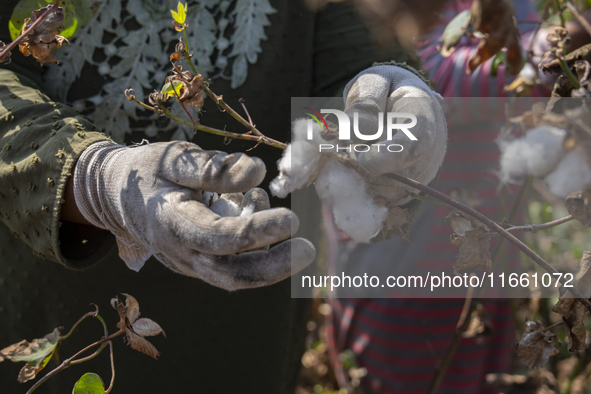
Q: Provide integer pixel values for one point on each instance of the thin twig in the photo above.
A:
(536, 227)
(466, 308)
(87, 358)
(25, 33)
(94, 314)
(223, 133)
(584, 22)
(448, 355)
(491, 224)
(241, 101)
(66, 363)
(218, 99)
(112, 368)
(189, 54)
(429, 201)
(559, 10)
(553, 326)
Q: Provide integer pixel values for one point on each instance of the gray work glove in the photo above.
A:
(385, 89)
(150, 196)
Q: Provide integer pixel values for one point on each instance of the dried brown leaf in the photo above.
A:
(496, 19)
(398, 221)
(21, 347)
(573, 312)
(136, 328)
(28, 372)
(559, 40)
(480, 324)
(461, 222)
(44, 38)
(541, 116)
(577, 204)
(132, 308)
(553, 66)
(474, 252)
(36, 354)
(536, 382)
(191, 91)
(147, 327)
(537, 345)
(140, 344)
(7, 56)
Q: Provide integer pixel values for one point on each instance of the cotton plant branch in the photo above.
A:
(194, 86)
(197, 126)
(219, 99)
(73, 360)
(88, 314)
(8, 48)
(492, 225)
(39, 352)
(537, 227)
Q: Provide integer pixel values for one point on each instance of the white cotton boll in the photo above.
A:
(247, 211)
(573, 173)
(226, 208)
(299, 162)
(208, 198)
(537, 153)
(354, 211)
(546, 140)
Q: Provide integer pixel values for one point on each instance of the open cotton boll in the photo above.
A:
(354, 211)
(226, 208)
(573, 173)
(208, 198)
(299, 162)
(537, 153)
(247, 211)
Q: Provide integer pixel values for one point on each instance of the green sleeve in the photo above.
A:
(40, 141)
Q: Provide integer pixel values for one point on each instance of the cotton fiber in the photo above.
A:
(537, 153)
(354, 211)
(300, 160)
(572, 173)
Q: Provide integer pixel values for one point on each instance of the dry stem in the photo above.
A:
(25, 33)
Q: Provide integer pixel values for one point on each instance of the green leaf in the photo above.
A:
(497, 61)
(454, 31)
(89, 383)
(180, 15)
(170, 89)
(76, 14)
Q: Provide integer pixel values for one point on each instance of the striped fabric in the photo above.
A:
(401, 341)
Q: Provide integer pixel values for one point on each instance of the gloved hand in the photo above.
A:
(150, 196)
(385, 89)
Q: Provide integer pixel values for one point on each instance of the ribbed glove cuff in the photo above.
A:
(87, 182)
